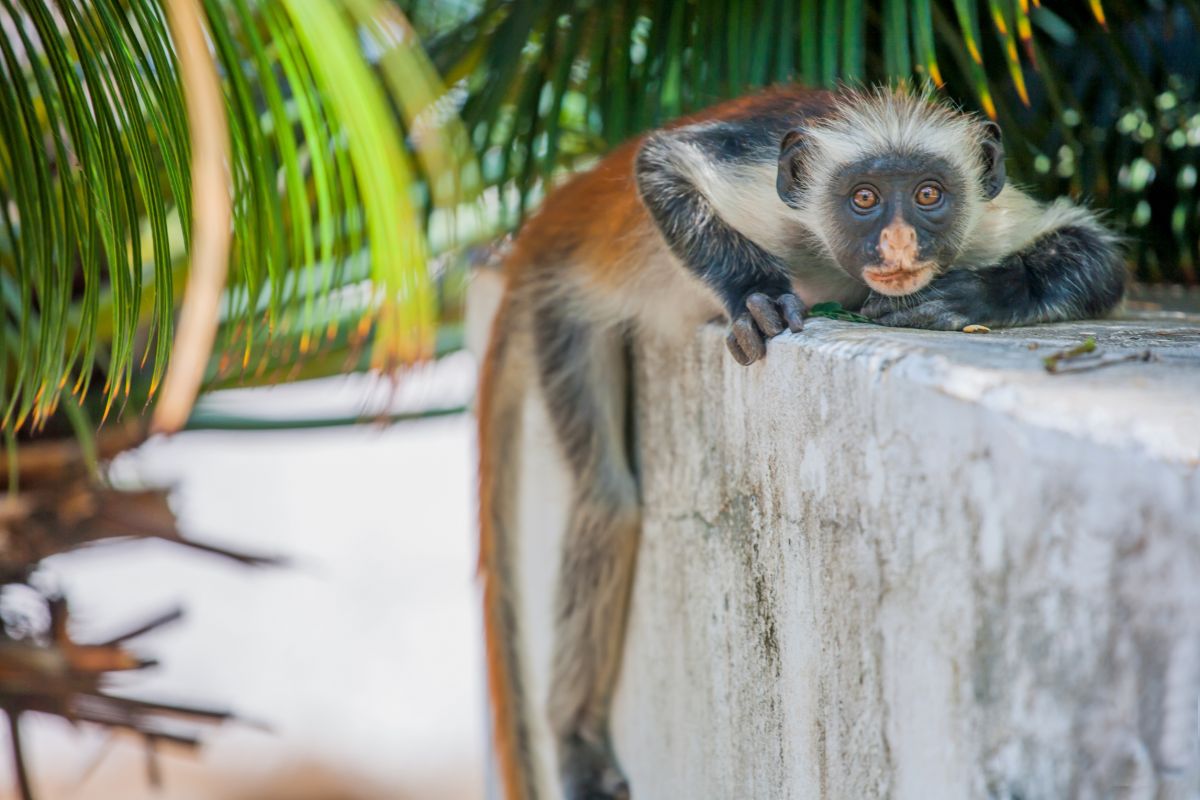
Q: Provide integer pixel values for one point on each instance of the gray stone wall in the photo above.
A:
(905, 564)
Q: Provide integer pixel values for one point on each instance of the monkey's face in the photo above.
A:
(898, 209)
(895, 220)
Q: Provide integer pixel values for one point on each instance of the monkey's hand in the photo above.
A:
(763, 318)
(950, 303)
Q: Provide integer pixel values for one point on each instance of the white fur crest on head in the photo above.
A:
(887, 120)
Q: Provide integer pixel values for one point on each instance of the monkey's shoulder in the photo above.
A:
(747, 128)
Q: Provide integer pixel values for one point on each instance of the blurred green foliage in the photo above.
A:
(1098, 100)
(342, 168)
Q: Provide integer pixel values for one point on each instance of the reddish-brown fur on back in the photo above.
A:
(592, 218)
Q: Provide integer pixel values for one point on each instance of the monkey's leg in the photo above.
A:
(596, 576)
(1071, 273)
(583, 379)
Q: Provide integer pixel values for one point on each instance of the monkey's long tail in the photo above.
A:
(500, 405)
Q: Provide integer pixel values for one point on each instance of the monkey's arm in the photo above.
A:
(1073, 272)
(752, 284)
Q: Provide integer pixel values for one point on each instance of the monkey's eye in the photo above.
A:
(864, 198)
(929, 194)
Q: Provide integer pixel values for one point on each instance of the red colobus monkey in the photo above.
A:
(890, 202)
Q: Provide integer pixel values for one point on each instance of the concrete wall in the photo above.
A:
(904, 564)
(914, 565)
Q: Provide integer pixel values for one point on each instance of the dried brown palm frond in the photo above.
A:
(51, 673)
(59, 505)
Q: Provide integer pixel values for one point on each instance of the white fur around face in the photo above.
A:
(880, 122)
(867, 124)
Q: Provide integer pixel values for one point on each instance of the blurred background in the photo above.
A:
(237, 553)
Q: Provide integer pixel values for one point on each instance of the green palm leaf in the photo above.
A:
(332, 189)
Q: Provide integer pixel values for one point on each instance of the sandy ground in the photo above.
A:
(357, 667)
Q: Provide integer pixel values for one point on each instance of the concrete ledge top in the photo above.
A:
(1150, 406)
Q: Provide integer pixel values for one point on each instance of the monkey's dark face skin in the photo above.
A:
(896, 220)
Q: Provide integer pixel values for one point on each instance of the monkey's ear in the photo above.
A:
(789, 180)
(993, 160)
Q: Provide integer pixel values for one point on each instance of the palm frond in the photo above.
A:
(212, 212)
(333, 190)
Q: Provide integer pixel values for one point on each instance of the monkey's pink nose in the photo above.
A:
(898, 238)
(898, 245)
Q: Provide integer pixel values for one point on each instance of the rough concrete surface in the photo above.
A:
(903, 564)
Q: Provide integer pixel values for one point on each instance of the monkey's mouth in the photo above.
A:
(896, 280)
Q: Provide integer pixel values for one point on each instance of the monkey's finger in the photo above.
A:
(763, 311)
(749, 338)
(736, 349)
(793, 311)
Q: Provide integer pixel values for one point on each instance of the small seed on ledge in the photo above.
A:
(977, 329)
